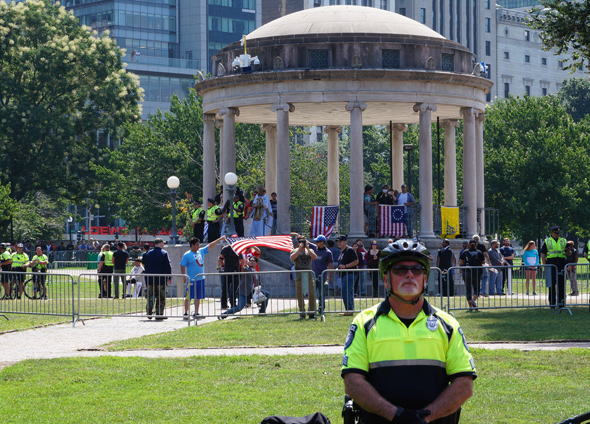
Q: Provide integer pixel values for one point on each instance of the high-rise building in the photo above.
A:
(168, 41)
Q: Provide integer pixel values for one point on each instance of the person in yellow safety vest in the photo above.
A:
(553, 253)
(198, 219)
(19, 264)
(213, 217)
(39, 264)
(105, 266)
(5, 262)
(406, 361)
(239, 215)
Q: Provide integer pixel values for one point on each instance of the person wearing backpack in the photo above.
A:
(472, 257)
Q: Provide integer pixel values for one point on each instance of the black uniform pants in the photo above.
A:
(557, 288)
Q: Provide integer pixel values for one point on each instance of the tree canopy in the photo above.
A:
(575, 96)
(537, 166)
(61, 85)
(564, 27)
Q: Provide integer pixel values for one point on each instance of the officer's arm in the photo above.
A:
(544, 258)
(358, 388)
(455, 395)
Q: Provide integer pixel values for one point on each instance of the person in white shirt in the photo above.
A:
(135, 279)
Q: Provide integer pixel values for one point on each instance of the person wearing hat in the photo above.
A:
(198, 220)
(5, 261)
(239, 214)
(157, 262)
(347, 259)
(553, 253)
(302, 256)
(19, 261)
(135, 279)
(213, 217)
(324, 261)
(406, 361)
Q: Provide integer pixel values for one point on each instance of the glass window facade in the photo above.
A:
(149, 26)
(227, 21)
(161, 89)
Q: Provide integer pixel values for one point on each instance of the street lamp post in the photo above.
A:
(230, 181)
(173, 183)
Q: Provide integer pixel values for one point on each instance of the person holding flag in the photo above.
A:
(192, 264)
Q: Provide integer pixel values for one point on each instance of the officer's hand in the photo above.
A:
(410, 416)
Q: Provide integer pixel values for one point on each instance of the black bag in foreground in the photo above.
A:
(317, 418)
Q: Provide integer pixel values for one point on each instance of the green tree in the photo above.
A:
(537, 166)
(564, 27)
(167, 144)
(38, 216)
(575, 96)
(61, 83)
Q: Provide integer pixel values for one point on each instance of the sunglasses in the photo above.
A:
(402, 270)
(373, 244)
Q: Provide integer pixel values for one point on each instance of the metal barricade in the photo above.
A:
(499, 287)
(351, 290)
(230, 293)
(577, 284)
(37, 293)
(96, 293)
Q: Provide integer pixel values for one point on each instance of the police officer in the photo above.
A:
(553, 253)
(5, 261)
(213, 218)
(106, 266)
(406, 361)
(239, 215)
(19, 261)
(198, 219)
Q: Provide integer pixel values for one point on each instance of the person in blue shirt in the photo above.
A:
(530, 257)
(192, 264)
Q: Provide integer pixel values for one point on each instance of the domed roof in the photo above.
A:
(343, 20)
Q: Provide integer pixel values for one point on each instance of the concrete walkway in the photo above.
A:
(85, 340)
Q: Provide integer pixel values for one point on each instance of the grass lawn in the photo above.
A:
(512, 387)
(492, 325)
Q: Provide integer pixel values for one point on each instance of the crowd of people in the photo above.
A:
(14, 263)
(387, 196)
(259, 207)
(491, 269)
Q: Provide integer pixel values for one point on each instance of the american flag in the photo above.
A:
(240, 244)
(392, 221)
(323, 219)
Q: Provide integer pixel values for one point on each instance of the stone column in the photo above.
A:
(397, 155)
(271, 158)
(229, 145)
(284, 164)
(333, 164)
(425, 167)
(356, 109)
(450, 173)
(208, 157)
(469, 171)
(479, 170)
(220, 175)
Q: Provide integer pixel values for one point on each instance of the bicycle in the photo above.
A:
(35, 288)
(12, 290)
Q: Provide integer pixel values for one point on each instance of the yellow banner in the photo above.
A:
(450, 222)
